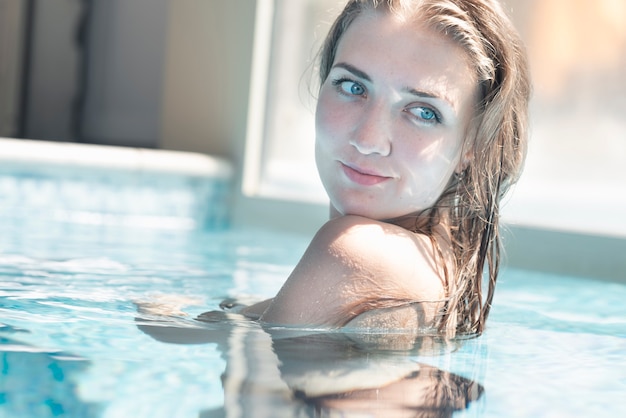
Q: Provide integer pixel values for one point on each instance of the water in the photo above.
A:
(74, 343)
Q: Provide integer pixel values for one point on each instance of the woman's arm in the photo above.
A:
(256, 311)
(355, 265)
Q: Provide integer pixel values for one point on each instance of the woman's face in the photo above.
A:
(392, 117)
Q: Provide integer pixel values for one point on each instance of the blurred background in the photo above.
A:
(176, 74)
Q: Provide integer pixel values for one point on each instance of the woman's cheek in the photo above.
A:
(335, 116)
(326, 116)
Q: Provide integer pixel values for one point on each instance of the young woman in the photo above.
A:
(420, 131)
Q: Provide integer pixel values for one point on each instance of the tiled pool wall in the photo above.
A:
(113, 186)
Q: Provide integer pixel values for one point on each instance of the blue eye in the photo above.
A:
(426, 114)
(354, 88)
(349, 87)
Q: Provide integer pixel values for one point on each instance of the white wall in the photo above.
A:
(207, 76)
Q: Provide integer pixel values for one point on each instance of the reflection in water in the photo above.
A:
(335, 372)
(274, 372)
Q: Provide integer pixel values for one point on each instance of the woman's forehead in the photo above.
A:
(410, 49)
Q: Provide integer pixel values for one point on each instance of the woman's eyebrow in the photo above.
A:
(353, 70)
(419, 93)
(412, 91)
(429, 95)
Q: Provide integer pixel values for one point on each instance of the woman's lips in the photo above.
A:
(364, 179)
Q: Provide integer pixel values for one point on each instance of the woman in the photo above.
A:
(420, 131)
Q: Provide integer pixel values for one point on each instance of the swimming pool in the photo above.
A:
(76, 338)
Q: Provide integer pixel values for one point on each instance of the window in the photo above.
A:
(280, 149)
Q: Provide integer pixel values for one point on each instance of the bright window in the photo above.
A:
(280, 160)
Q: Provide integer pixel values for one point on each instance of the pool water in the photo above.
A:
(102, 276)
(72, 342)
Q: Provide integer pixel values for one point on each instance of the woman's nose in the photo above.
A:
(372, 132)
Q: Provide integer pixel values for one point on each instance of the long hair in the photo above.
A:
(496, 143)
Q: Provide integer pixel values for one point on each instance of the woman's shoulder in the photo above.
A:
(390, 252)
(354, 265)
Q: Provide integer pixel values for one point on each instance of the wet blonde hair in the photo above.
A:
(496, 144)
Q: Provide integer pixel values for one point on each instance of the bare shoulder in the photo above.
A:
(394, 254)
(354, 265)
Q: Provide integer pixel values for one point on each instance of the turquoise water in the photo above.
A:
(72, 342)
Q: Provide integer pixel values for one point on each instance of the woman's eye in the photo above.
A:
(350, 87)
(426, 114)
